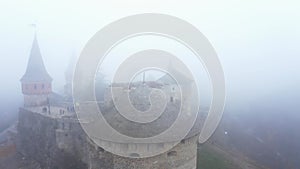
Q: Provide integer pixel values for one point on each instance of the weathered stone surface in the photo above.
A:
(60, 143)
(182, 156)
(37, 140)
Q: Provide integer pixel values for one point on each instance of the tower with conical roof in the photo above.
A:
(36, 82)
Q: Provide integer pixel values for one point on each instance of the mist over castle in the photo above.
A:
(49, 133)
(48, 127)
(43, 126)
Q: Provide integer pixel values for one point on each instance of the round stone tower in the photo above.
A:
(36, 82)
(172, 151)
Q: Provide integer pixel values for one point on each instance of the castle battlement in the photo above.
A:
(52, 112)
(50, 133)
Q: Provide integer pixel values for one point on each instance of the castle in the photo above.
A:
(49, 131)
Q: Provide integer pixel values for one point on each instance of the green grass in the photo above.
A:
(208, 159)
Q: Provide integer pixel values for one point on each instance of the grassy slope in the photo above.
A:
(209, 159)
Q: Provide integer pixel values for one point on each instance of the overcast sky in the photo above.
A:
(257, 41)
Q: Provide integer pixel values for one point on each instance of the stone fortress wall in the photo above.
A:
(50, 133)
(60, 143)
(57, 143)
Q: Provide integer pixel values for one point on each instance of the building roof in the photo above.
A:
(169, 80)
(36, 71)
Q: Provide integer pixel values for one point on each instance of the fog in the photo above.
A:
(257, 43)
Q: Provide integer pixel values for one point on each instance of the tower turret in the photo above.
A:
(36, 82)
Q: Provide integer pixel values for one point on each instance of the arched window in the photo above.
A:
(35, 86)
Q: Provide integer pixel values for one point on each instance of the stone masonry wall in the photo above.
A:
(58, 143)
(182, 156)
(37, 141)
